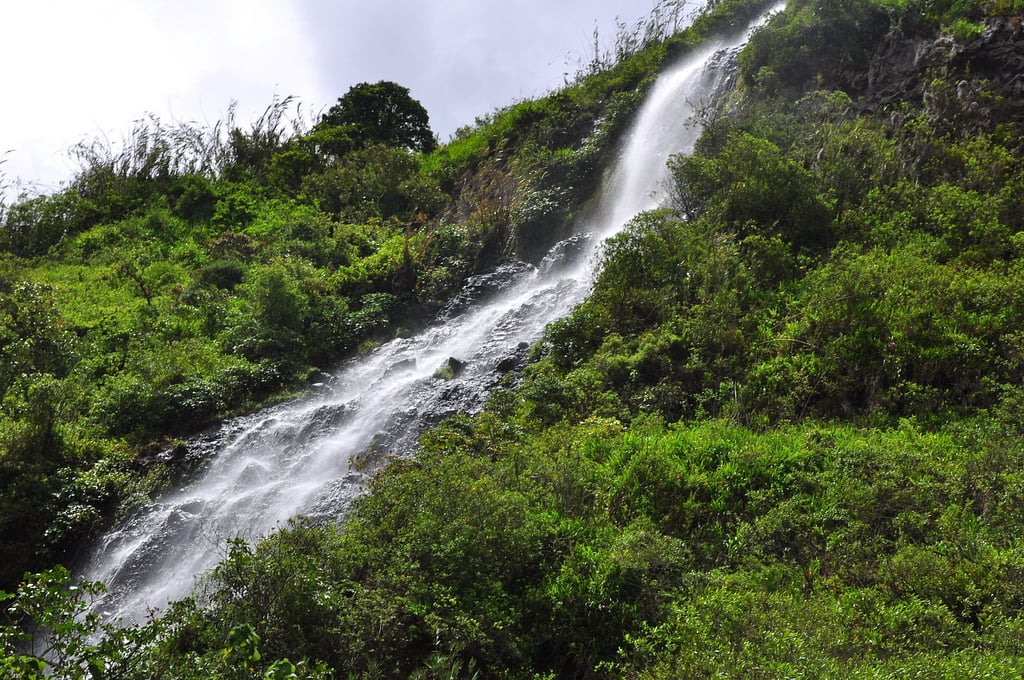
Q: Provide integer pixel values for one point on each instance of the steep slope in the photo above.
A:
(781, 438)
(197, 273)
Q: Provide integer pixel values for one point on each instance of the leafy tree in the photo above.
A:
(33, 225)
(374, 181)
(382, 112)
(33, 335)
(54, 629)
(48, 630)
(750, 185)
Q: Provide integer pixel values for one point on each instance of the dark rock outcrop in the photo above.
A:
(978, 83)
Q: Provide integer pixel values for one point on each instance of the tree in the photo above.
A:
(34, 338)
(382, 112)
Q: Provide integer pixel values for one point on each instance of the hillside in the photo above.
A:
(192, 274)
(781, 438)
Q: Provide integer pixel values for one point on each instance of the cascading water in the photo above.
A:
(308, 457)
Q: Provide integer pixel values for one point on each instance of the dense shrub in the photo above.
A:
(781, 438)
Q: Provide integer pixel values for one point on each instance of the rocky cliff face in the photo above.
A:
(978, 83)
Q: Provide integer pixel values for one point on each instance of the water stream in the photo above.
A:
(313, 456)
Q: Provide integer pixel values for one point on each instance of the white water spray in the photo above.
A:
(308, 457)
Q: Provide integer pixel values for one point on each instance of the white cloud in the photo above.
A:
(90, 67)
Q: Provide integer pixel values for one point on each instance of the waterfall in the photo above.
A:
(313, 456)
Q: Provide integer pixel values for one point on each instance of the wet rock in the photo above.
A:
(565, 253)
(481, 287)
(451, 368)
(321, 420)
(403, 365)
(513, 361)
(507, 364)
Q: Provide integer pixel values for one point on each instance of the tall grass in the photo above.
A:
(155, 150)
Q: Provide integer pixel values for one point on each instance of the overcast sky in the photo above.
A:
(81, 69)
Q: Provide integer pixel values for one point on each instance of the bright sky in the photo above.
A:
(82, 69)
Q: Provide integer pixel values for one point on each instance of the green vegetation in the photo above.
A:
(382, 113)
(198, 273)
(781, 439)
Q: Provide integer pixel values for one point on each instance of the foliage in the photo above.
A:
(58, 630)
(382, 113)
(48, 631)
(189, 273)
(785, 426)
(809, 41)
(601, 551)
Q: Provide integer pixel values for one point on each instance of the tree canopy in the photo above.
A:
(382, 112)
